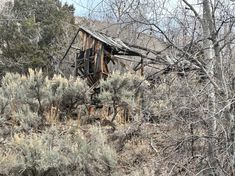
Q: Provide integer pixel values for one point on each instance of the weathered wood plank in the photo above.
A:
(101, 61)
(76, 65)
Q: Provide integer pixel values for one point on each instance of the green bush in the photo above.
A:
(122, 90)
(25, 98)
(37, 34)
(68, 93)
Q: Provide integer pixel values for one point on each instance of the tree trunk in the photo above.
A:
(209, 54)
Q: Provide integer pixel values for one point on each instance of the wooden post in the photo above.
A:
(85, 51)
(102, 61)
(141, 104)
(76, 66)
(142, 66)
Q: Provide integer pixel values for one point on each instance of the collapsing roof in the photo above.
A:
(115, 43)
(100, 54)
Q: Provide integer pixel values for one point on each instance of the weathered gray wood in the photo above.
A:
(76, 65)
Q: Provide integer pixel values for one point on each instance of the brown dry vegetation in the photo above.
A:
(168, 136)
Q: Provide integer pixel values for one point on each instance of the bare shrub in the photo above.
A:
(66, 152)
(122, 90)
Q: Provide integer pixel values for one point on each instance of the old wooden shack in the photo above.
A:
(100, 54)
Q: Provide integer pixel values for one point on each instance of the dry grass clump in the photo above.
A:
(58, 150)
